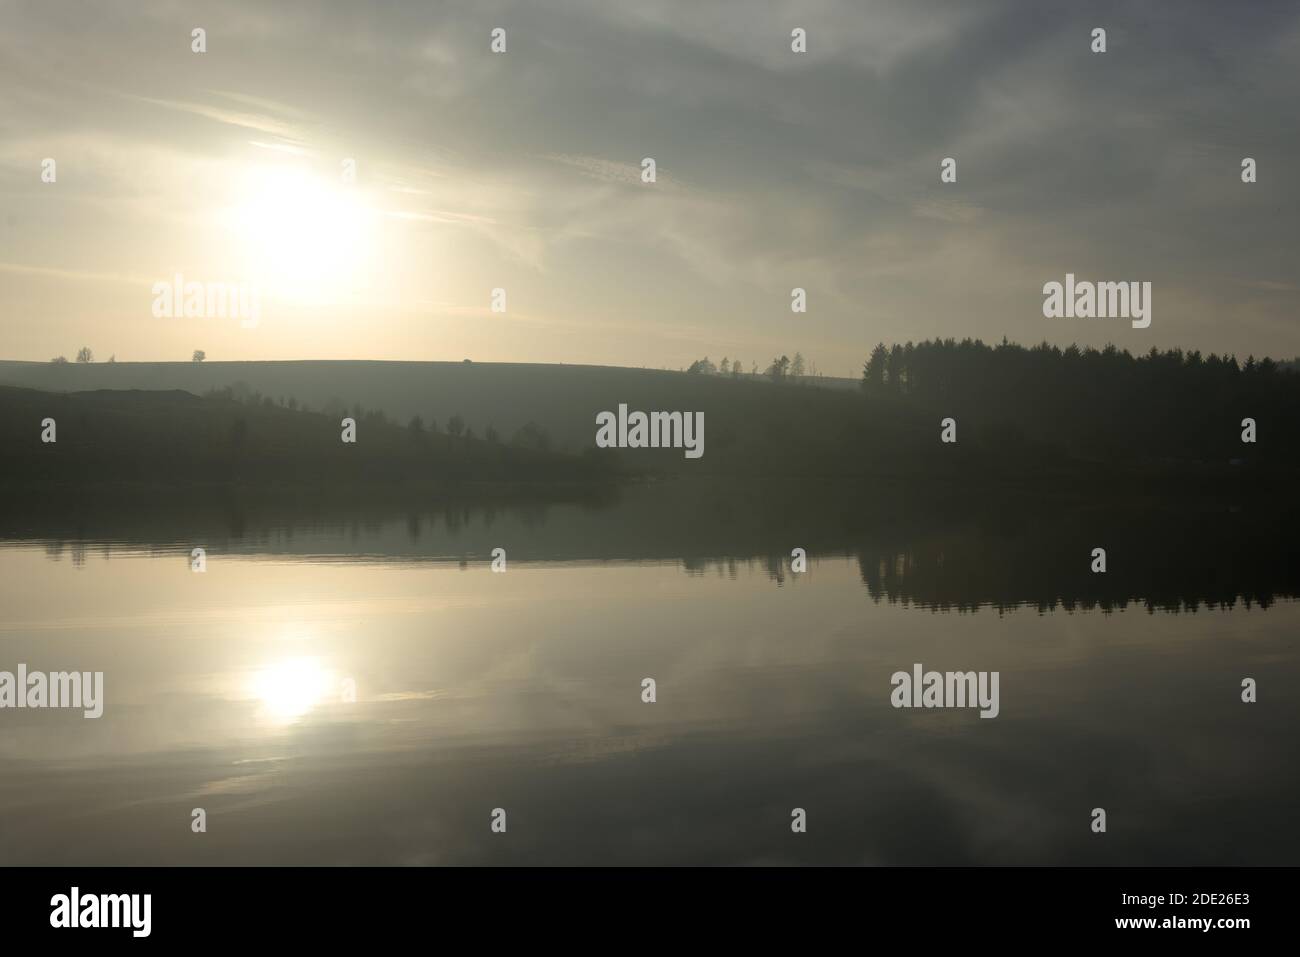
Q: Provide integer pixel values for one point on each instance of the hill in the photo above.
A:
(561, 400)
(1022, 416)
(137, 438)
(506, 396)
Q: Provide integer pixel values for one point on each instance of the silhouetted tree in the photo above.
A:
(1104, 403)
(873, 371)
(532, 436)
(894, 368)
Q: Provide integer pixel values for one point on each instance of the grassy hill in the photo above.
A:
(752, 426)
(562, 399)
(505, 396)
(174, 438)
(1010, 429)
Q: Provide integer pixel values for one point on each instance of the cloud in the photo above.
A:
(256, 122)
(73, 275)
(774, 169)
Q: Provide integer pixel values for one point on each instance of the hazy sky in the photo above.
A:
(521, 170)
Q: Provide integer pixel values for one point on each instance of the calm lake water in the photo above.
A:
(474, 690)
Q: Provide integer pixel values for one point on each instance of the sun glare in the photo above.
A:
(289, 689)
(303, 237)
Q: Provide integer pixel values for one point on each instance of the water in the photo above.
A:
(474, 690)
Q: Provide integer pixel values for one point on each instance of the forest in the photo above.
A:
(1101, 404)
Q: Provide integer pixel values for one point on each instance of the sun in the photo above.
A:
(302, 237)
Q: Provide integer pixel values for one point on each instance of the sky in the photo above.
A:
(521, 171)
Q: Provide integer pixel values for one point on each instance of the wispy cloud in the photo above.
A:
(774, 169)
(257, 122)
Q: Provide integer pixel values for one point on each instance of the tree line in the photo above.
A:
(1101, 403)
(780, 369)
(528, 436)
